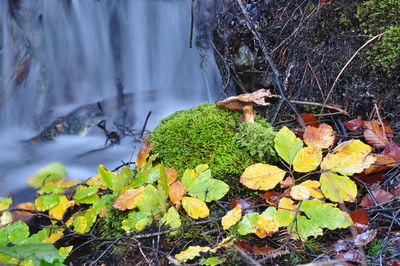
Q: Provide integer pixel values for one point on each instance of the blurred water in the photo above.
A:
(56, 55)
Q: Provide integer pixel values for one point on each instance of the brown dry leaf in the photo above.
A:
(309, 119)
(128, 199)
(247, 206)
(176, 192)
(21, 215)
(385, 161)
(172, 175)
(374, 134)
(392, 150)
(320, 137)
(272, 197)
(380, 195)
(288, 182)
(365, 238)
(143, 153)
(262, 250)
(360, 219)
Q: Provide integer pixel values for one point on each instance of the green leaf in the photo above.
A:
(121, 180)
(48, 173)
(269, 212)
(208, 189)
(325, 215)
(35, 252)
(148, 202)
(188, 177)
(287, 144)
(64, 252)
(107, 176)
(304, 228)
(163, 179)
(283, 217)
(47, 202)
(248, 224)
(51, 188)
(84, 192)
(162, 198)
(5, 203)
(203, 170)
(17, 232)
(212, 261)
(338, 188)
(136, 221)
(172, 219)
(80, 224)
(39, 236)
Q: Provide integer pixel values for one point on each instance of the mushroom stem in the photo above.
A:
(248, 113)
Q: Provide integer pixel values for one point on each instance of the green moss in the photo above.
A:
(378, 16)
(258, 140)
(204, 134)
(110, 224)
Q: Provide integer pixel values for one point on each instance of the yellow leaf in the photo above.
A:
(338, 188)
(128, 199)
(353, 146)
(287, 204)
(54, 237)
(195, 208)
(225, 243)
(266, 226)
(347, 163)
(262, 176)
(80, 224)
(97, 181)
(285, 213)
(191, 253)
(300, 192)
(314, 188)
(307, 159)
(176, 192)
(59, 210)
(232, 217)
(320, 137)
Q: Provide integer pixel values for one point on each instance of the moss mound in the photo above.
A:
(204, 134)
(378, 16)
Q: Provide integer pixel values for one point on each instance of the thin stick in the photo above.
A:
(191, 25)
(145, 124)
(348, 62)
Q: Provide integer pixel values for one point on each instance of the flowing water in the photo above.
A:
(57, 55)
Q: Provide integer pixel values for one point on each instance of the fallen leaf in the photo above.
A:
(232, 217)
(287, 144)
(374, 134)
(190, 253)
(380, 195)
(338, 188)
(243, 245)
(347, 163)
(143, 153)
(307, 159)
(195, 208)
(360, 219)
(266, 226)
(128, 199)
(262, 176)
(262, 250)
(272, 197)
(320, 137)
(247, 206)
(310, 120)
(396, 190)
(354, 124)
(287, 182)
(382, 163)
(392, 150)
(176, 192)
(365, 238)
(313, 186)
(300, 192)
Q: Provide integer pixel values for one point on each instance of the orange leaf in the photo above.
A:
(354, 124)
(392, 150)
(176, 192)
(172, 175)
(310, 120)
(143, 153)
(374, 134)
(385, 163)
(288, 182)
(128, 199)
(320, 137)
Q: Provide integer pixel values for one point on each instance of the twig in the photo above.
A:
(191, 25)
(103, 253)
(271, 63)
(249, 260)
(145, 124)
(348, 62)
(228, 75)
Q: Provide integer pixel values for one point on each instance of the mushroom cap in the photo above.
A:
(242, 100)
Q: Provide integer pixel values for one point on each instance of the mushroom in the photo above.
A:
(245, 102)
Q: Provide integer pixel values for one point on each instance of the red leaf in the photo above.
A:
(272, 197)
(374, 134)
(395, 263)
(372, 178)
(322, 2)
(354, 124)
(243, 245)
(360, 219)
(310, 120)
(262, 250)
(392, 150)
(380, 195)
(365, 238)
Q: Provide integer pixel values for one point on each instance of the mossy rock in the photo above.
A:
(205, 134)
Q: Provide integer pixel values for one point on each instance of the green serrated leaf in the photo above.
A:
(304, 228)
(17, 232)
(162, 198)
(148, 202)
(269, 212)
(35, 252)
(325, 215)
(287, 144)
(188, 177)
(338, 188)
(107, 176)
(172, 219)
(51, 188)
(121, 179)
(39, 236)
(212, 261)
(136, 221)
(48, 173)
(80, 224)
(64, 252)
(248, 224)
(283, 217)
(208, 189)
(5, 203)
(47, 202)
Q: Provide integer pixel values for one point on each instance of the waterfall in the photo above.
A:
(56, 55)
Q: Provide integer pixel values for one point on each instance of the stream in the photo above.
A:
(57, 55)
